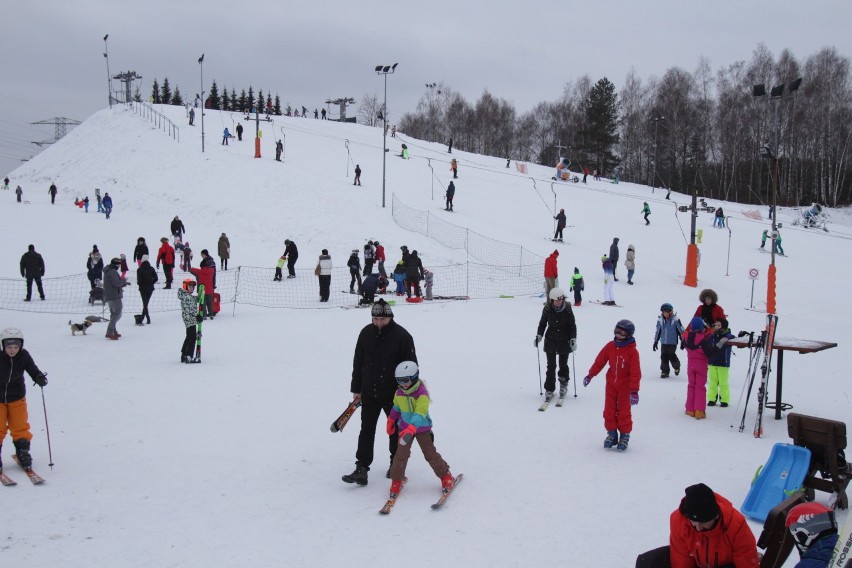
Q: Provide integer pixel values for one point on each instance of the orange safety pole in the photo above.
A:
(770, 290)
(691, 278)
(257, 147)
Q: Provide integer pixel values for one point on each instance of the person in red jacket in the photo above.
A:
(622, 384)
(706, 531)
(166, 256)
(551, 273)
(206, 276)
(709, 310)
(380, 258)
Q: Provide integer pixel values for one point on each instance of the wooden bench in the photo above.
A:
(826, 439)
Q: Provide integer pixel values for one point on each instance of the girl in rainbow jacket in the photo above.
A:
(410, 419)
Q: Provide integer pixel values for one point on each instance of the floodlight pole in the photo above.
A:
(385, 70)
(201, 66)
(656, 120)
(109, 81)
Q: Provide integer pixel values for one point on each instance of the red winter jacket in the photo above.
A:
(730, 542)
(204, 275)
(624, 371)
(550, 265)
(716, 313)
(380, 253)
(166, 255)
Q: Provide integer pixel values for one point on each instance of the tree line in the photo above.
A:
(246, 101)
(706, 129)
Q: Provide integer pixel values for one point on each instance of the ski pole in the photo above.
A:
(46, 428)
(540, 388)
(574, 369)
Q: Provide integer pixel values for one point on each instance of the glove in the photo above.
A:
(682, 346)
(158, 266)
(407, 435)
(586, 380)
(655, 346)
(634, 398)
(199, 319)
(573, 344)
(391, 426)
(40, 380)
(537, 340)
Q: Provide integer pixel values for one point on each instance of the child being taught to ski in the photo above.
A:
(560, 339)
(410, 420)
(13, 391)
(191, 318)
(719, 359)
(622, 384)
(669, 331)
(696, 368)
(577, 286)
(646, 211)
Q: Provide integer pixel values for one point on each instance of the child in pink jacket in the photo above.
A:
(696, 368)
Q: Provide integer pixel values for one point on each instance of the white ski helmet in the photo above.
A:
(406, 372)
(11, 333)
(556, 294)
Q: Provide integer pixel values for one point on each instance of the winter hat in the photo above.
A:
(355, 252)
(381, 309)
(576, 270)
(697, 324)
(95, 248)
(699, 504)
(115, 261)
(723, 322)
(204, 252)
(144, 258)
(164, 240)
(31, 248)
(325, 251)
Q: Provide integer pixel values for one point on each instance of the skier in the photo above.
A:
(323, 273)
(646, 210)
(454, 167)
(551, 274)
(166, 256)
(239, 132)
(192, 117)
(177, 228)
(622, 384)
(560, 339)
(630, 263)
(19, 193)
(705, 526)
(763, 237)
(393, 131)
(52, 191)
(146, 277)
(224, 246)
(13, 392)
(32, 268)
(382, 345)
(139, 251)
(404, 153)
(451, 192)
(357, 175)
(369, 258)
(560, 225)
(225, 135)
(354, 264)
(607, 265)
(279, 149)
(778, 248)
(613, 256)
(719, 219)
(814, 530)
(450, 146)
(669, 332)
(719, 362)
(191, 319)
(410, 420)
(577, 286)
(709, 311)
(94, 266)
(696, 368)
(292, 254)
(107, 203)
(113, 294)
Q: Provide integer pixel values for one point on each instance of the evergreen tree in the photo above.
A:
(137, 96)
(155, 93)
(177, 99)
(226, 101)
(261, 102)
(213, 97)
(250, 100)
(165, 92)
(277, 108)
(269, 103)
(234, 100)
(600, 131)
(242, 106)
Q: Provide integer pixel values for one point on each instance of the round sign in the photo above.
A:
(752, 273)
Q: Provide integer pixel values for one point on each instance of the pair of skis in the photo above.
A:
(445, 494)
(547, 400)
(200, 313)
(7, 481)
(765, 369)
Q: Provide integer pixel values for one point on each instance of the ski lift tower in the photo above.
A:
(127, 78)
(342, 103)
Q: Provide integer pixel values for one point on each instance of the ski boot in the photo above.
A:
(664, 375)
(611, 438)
(22, 450)
(622, 442)
(677, 371)
(548, 396)
(447, 481)
(358, 476)
(563, 388)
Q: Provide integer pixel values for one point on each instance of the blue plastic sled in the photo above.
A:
(783, 474)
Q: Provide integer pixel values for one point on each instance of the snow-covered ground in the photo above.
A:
(230, 463)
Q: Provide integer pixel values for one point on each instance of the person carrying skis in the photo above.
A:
(813, 527)
(608, 268)
(410, 420)
(560, 339)
(551, 274)
(669, 331)
(696, 368)
(451, 192)
(13, 393)
(191, 318)
(646, 210)
(622, 384)
(354, 264)
(560, 225)
(382, 345)
(577, 285)
(719, 362)
(166, 257)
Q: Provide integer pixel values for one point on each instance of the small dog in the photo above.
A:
(75, 327)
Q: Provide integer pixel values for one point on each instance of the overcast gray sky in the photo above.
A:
(52, 64)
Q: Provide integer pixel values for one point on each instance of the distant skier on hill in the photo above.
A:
(451, 192)
(239, 132)
(560, 225)
(177, 228)
(225, 135)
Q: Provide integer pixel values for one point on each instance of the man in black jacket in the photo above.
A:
(32, 268)
(146, 277)
(381, 346)
(292, 254)
(613, 256)
(413, 274)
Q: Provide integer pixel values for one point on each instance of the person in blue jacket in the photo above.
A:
(813, 527)
(719, 359)
(225, 136)
(669, 332)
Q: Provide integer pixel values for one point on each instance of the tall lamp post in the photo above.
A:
(385, 70)
(656, 120)
(109, 82)
(201, 65)
(771, 154)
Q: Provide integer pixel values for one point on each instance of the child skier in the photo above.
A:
(696, 368)
(577, 285)
(763, 237)
(191, 319)
(561, 339)
(13, 402)
(646, 210)
(622, 384)
(669, 331)
(719, 359)
(410, 420)
(278, 266)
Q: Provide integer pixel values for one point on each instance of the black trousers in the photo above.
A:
(168, 270)
(558, 233)
(291, 266)
(578, 296)
(188, 349)
(371, 409)
(146, 297)
(550, 374)
(30, 286)
(324, 286)
(355, 276)
(668, 355)
(368, 266)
